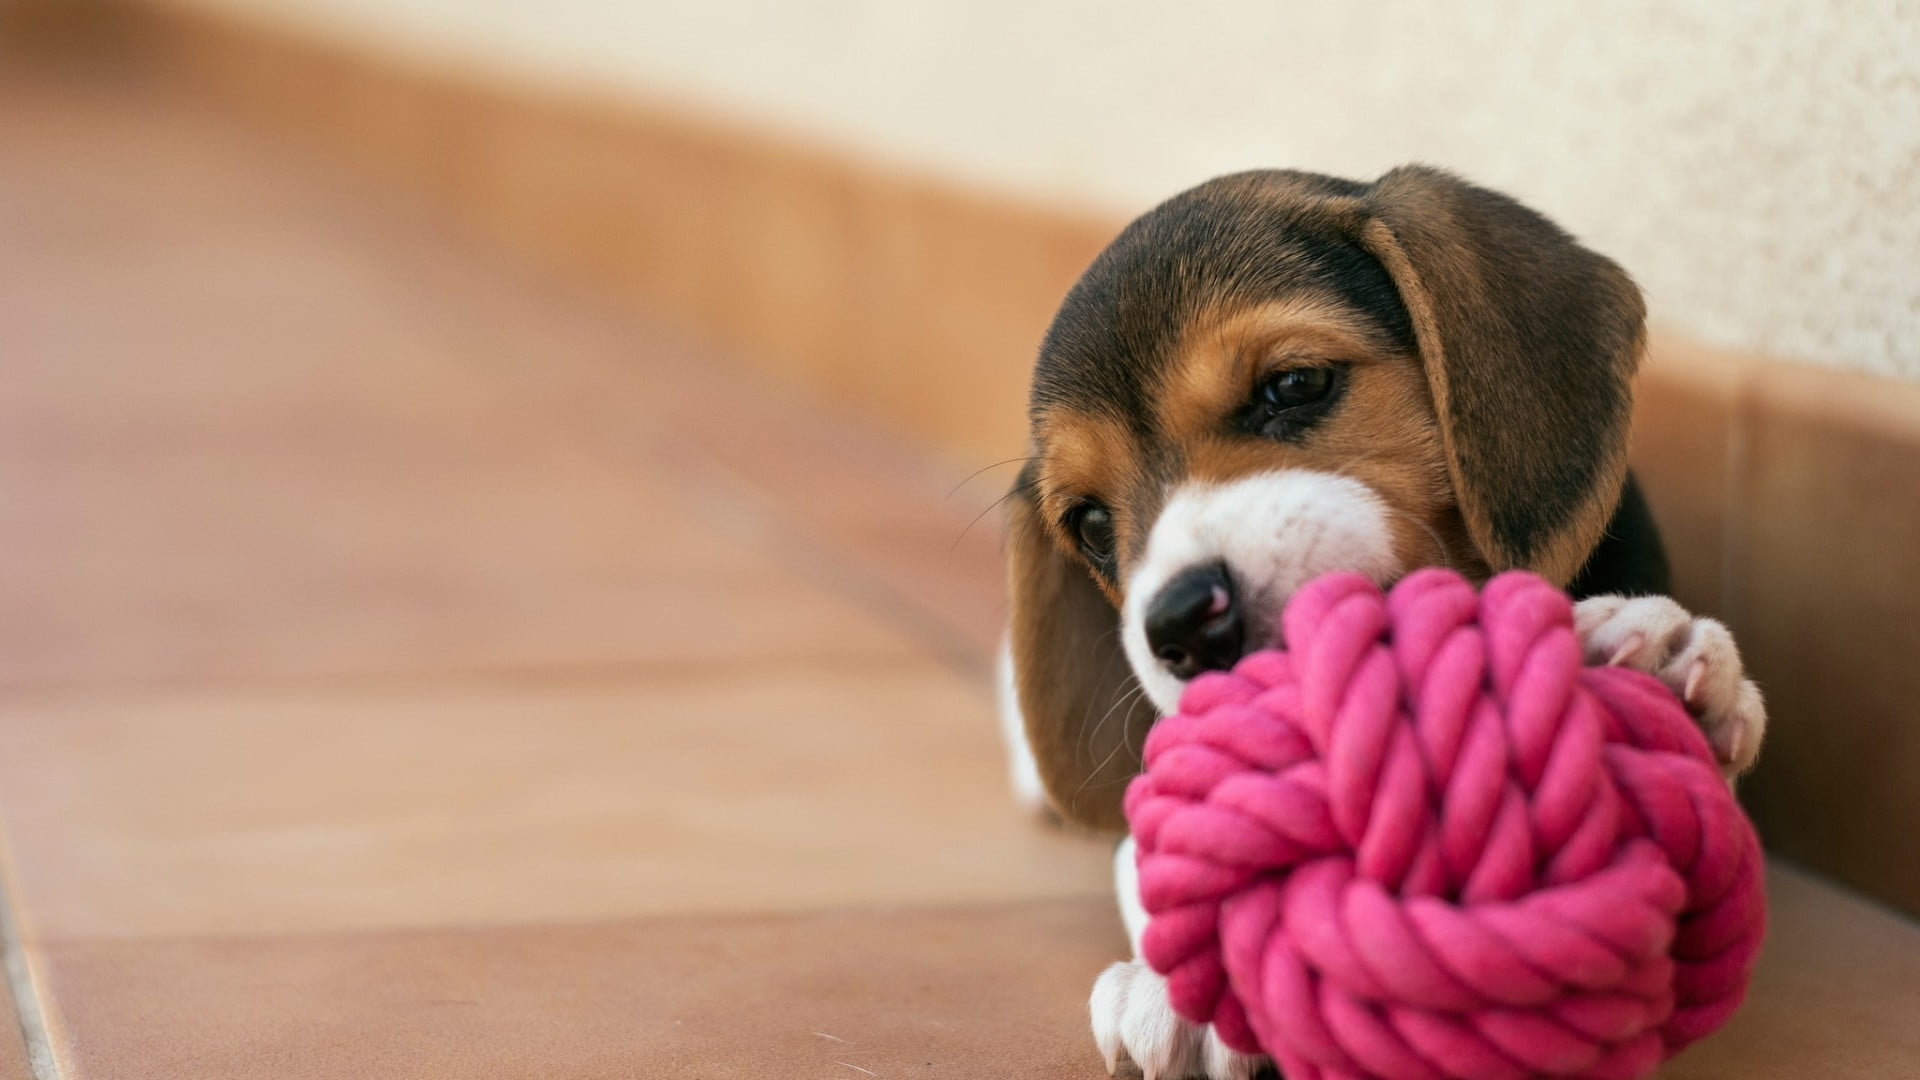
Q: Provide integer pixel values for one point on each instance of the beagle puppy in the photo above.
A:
(1278, 374)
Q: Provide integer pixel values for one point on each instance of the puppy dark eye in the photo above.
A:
(1287, 403)
(1092, 528)
(1294, 387)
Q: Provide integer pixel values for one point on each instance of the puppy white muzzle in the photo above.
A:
(1223, 558)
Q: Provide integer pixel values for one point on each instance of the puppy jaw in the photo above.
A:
(1274, 531)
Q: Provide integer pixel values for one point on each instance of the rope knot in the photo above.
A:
(1427, 841)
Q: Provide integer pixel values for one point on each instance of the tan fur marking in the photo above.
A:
(1383, 432)
(1088, 456)
(1220, 361)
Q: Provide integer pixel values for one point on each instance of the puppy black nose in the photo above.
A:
(1194, 623)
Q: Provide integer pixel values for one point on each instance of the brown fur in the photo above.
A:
(1530, 344)
(1085, 719)
(1384, 435)
(1498, 439)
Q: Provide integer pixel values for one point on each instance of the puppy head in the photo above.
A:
(1275, 375)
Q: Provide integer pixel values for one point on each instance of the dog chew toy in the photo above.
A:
(1428, 841)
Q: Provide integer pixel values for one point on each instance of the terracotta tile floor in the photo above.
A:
(412, 669)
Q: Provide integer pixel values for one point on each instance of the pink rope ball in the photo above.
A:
(1427, 841)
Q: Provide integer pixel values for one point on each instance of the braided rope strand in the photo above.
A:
(1427, 841)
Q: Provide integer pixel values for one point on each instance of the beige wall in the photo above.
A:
(1755, 165)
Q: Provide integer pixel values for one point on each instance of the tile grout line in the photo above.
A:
(818, 560)
(738, 505)
(531, 677)
(28, 1012)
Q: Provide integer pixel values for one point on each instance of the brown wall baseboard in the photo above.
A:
(1790, 495)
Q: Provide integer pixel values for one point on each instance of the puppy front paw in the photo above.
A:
(1133, 1021)
(1695, 657)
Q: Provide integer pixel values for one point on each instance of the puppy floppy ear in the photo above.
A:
(1529, 342)
(1084, 715)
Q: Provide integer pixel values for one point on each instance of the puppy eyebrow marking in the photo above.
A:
(1216, 365)
(1084, 454)
(1239, 240)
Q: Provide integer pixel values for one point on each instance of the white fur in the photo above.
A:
(1126, 890)
(1696, 657)
(1023, 773)
(1274, 530)
(1132, 1018)
(1132, 1021)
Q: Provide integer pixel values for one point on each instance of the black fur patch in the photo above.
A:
(1229, 240)
(1630, 560)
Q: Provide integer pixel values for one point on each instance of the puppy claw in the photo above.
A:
(1733, 741)
(1696, 676)
(1695, 657)
(1626, 650)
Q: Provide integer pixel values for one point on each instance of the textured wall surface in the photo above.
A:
(1755, 165)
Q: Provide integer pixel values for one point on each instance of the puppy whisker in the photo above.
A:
(1439, 546)
(1089, 735)
(986, 468)
(995, 505)
(1094, 733)
(1126, 736)
(1125, 743)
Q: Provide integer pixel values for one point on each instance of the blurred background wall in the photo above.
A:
(1755, 165)
(874, 208)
